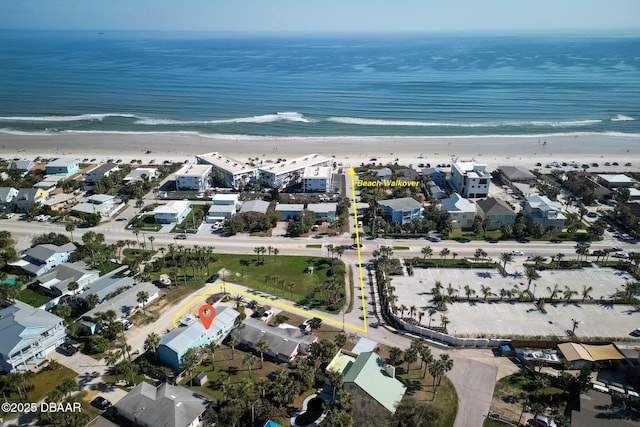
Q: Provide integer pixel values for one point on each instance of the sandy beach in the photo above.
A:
(350, 151)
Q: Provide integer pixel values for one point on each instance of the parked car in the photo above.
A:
(583, 245)
(181, 236)
(517, 253)
(542, 421)
(101, 403)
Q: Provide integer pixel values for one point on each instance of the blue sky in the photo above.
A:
(321, 15)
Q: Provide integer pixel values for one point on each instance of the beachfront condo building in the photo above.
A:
(288, 173)
(226, 171)
(317, 179)
(193, 177)
(470, 179)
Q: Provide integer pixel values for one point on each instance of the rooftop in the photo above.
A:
(21, 324)
(173, 207)
(402, 204)
(255, 206)
(123, 303)
(295, 164)
(288, 207)
(183, 337)
(62, 162)
(227, 163)
(493, 206)
(317, 172)
(193, 170)
(457, 203)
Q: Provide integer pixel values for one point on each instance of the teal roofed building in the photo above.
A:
(272, 424)
(371, 375)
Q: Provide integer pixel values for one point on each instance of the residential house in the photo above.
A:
(323, 211)
(7, 194)
(317, 179)
(105, 169)
(174, 212)
(512, 174)
(284, 343)
(56, 281)
(227, 171)
(27, 197)
(259, 206)
(175, 344)
(108, 284)
(370, 375)
(436, 192)
(437, 176)
(124, 303)
(23, 166)
(193, 177)
(288, 173)
(497, 211)
(613, 181)
(99, 204)
(223, 206)
(28, 335)
(470, 179)
(461, 210)
(42, 258)
(50, 182)
(62, 166)
(290, 211)
(543, 211)
(403, 210)
(384, 173)
(140, 174)
(61, 202)
(166, 405)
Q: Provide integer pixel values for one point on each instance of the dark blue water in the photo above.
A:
(418, 85)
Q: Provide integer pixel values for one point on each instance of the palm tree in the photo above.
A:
(586, 290)
(537, 260)
(211, 348)
(505, 257)
(531, 274)
(142, 297)
(453, 256)
(412, 310)
(426, 252)
(444, 321)
(444, 252)
(248, 362)
(468, 291)
(137, 232)
(233, 342)
(410, 356)
(69, 228)
(151, 343)
(420, 316)
(559, 257)
(402, 308)
(431, 312)
(92, 300)
(553, 293)
(262, 347)
(276, 251)
(336, 379)
(151, 239)
(485, 291)
(575, 325)
(568, 293)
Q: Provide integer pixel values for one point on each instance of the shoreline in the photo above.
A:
(491, 150)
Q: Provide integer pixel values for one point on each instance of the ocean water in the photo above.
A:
(387, 85)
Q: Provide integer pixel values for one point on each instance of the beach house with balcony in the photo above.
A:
(545, 212)
(223, 206)
(497, 211)
(461, 210)
(27, 197)
(402, 210)
(193, 177)
(105, 169)
(317, 179)
(62, 166)
(42, 258)
(28, 334)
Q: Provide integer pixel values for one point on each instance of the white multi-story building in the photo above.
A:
(317, 179)
(227, 171)
(193, 177)
(290, 172)
(470, 179)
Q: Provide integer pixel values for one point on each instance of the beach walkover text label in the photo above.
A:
(387, 183)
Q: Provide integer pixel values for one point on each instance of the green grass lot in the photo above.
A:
(400, 248)
(188, 222)
(145, 223)
(43, 382)
(315, 246)
(250, 271)
(33, 297)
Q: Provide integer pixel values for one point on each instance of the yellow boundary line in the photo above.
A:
(288, 306)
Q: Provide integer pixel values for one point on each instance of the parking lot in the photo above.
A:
(496, 318)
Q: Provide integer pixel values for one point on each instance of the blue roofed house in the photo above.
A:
(107, 284)
(7, 194)
(272, 424)
(62, 166)
(42, 258)
(290, 210)
(403, 210)
(28, 334)
(23, 166)
(323, 211)
(175, 344)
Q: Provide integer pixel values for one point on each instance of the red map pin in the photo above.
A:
(207, 313)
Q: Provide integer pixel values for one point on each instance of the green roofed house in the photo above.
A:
(371, 375)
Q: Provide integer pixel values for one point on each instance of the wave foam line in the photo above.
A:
(266, 118)
(379, 122)
(76, 118)
(622, 118)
